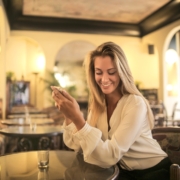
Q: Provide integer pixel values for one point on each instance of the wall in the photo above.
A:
(4, 33)
(20, 45)
(161, 39)
(141, 63)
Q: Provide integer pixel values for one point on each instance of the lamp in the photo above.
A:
(39, 65)
(35, 84)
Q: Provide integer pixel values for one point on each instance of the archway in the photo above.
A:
(171, 69)
(68, 67)
(25, 59)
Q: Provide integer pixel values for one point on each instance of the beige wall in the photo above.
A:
(140, 61)
(136, 52)
(20, 48)
(161, 39)
(4, 33)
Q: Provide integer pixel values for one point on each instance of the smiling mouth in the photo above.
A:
(105, 85)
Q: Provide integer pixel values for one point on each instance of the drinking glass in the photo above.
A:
(43, 159)
(43, 174)
(33, 126)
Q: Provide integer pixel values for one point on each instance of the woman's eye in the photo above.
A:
(111, 73)
(98, 73)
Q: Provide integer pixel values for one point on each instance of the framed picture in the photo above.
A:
(18, 94)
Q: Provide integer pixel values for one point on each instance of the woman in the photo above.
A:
(118, 128)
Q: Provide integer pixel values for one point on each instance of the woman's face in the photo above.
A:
(106, 75)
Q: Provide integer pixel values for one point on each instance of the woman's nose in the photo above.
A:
(105, 78)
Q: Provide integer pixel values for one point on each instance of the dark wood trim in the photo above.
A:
(164, 16)
(73, 25)
(20, 22)
(166, 130)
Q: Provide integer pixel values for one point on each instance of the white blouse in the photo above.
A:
(129, 141)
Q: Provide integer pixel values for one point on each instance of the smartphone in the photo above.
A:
(58, 88)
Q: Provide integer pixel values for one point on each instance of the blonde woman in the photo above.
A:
(118, 128)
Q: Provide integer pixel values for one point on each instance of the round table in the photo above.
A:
(63, 165)
(22, 138)
(24, 122)
(16, 116)
(22, 131)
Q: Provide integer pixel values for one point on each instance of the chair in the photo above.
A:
(115, 174)
(163, 116)
(170, 118)
(169, 140)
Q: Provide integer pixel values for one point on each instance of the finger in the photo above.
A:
(58, 91)
(61, 92)
(52, 94)
(52, 87)
(58, 94)
(58, 106)
(67, 95)
(57, 87)
(56, 99)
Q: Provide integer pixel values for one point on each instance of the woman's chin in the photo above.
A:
(106, 91)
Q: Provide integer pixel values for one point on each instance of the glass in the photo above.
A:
(33, 126)
(43, 174)
(43, 159)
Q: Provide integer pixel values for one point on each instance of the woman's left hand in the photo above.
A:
(69, 107)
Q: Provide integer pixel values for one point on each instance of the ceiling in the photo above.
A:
(122, 11)
(116, 17)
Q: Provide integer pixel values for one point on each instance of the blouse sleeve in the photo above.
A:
(69, 139)
(109, 152)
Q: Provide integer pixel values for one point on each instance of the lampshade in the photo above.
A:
(39, 63)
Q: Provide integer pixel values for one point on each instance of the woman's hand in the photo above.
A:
(69, 107)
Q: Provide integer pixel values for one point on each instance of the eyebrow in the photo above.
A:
(108, 69)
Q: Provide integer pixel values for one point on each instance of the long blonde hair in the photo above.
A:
(127, 85)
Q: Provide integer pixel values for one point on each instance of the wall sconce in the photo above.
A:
(150, 48)
(171, 56)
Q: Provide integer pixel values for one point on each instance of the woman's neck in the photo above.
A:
(112, 100)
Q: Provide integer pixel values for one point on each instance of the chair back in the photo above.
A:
(115, 175)
(169, 140)
(169, 119)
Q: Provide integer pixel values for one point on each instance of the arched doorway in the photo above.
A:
(68, 67)
(171, 67)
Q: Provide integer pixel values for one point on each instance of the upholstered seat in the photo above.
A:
(169, 140)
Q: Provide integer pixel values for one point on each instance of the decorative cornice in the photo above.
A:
(164, 16)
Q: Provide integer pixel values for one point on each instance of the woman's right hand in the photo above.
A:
(69, 107)
(68, 121)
